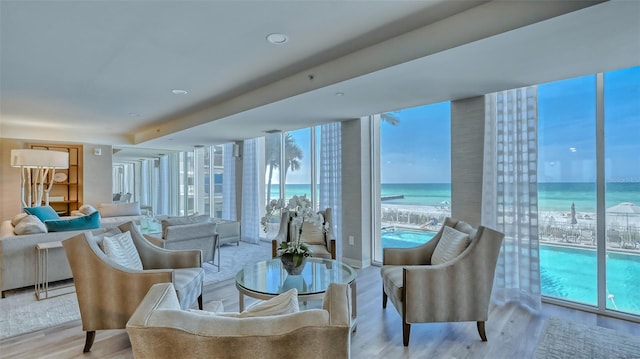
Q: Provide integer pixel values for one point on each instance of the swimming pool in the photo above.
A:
(565, 272)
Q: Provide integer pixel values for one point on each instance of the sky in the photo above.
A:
(418, 148)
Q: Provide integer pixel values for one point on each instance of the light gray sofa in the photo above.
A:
(18, 256)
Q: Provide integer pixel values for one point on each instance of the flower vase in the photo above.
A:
(293, 263)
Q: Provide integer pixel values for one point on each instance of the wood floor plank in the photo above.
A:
(512, 330)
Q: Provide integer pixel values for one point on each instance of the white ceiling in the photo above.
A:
(102, 71)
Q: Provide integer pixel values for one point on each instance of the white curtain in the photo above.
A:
(250, 217)
(229, 184)
(510, 192)
(331, 177)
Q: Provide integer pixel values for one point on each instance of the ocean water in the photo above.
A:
(551, 196)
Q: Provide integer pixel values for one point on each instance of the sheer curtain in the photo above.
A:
(163, 187)
(331, 177)
(250, 217)
(510, 192)
(229, 184)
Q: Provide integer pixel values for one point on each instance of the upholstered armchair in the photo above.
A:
(456, 289)
(108, 293)
(321, 243)
(160, 329)
(202, 236)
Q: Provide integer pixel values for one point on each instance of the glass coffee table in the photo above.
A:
(267, 279)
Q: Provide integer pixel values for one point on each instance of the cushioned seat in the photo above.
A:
(188, 285)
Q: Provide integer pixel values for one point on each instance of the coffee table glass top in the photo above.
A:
(270, 277)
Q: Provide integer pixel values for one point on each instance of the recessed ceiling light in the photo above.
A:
(339, 93)
(179, 92)
(133, 114)
(277, 39)
(272, 131)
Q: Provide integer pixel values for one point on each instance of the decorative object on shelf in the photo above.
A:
(300, 210)
(60, 177)
(37, 164)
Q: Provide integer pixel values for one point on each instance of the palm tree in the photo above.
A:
(293, 155)
(390, 118)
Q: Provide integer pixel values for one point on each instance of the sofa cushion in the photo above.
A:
(451, 244)
(30, 225)
(87, 209)
(42, 212)
(17, 218)
(119, 209)
(120, 249)
(91, 221)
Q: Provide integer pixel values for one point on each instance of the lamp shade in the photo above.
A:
(39, 158)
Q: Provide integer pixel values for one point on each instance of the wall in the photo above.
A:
(467, 152)
(96, 170)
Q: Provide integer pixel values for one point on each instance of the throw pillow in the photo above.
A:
(91, 221)
(87, 209)
(30, 225)
(17, 218)
(312, 234)
(42, 212)
(284, 303)
(451, 244)
(120, 249)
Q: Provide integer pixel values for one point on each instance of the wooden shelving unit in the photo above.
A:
(66, 195)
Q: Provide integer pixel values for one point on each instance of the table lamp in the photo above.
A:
(36, 164)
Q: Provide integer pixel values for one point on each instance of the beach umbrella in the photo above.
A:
(626, 208)
(573, 213)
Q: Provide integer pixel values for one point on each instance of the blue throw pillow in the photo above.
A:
(91, 221)
(43, 213)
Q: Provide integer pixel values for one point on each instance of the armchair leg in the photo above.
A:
(481, 331)
(200, 302)
(384, 298)
(406, 329)
(91, 335)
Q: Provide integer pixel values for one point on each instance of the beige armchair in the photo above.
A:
(202, 236)
(109, 293)
(322, 244)
(454, 291)
(160, 329)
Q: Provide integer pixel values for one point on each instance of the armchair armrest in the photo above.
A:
(155, 240)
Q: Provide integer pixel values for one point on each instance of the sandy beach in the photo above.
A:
(623, 229)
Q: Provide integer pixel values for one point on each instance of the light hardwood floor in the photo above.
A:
(513, 331)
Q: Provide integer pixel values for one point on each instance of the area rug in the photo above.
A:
(565, 339)
(21, 313)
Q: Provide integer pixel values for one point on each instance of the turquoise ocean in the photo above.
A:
(551, 196)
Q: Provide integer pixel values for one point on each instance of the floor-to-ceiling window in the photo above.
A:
(414, 174)
(622, 189)
(297, 163)
(589, 190)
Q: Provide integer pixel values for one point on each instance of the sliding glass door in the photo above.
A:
(589, 190)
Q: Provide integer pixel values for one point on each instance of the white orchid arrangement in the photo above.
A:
(301, 210)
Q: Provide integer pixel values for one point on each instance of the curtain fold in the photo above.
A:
(229, 184)
(250, 217)
(164, 186)
(510, 192)
(331, 177)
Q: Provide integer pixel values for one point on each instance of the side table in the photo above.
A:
(42, 281)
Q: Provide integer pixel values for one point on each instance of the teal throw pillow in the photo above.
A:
(91, 221)
(43, 213)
